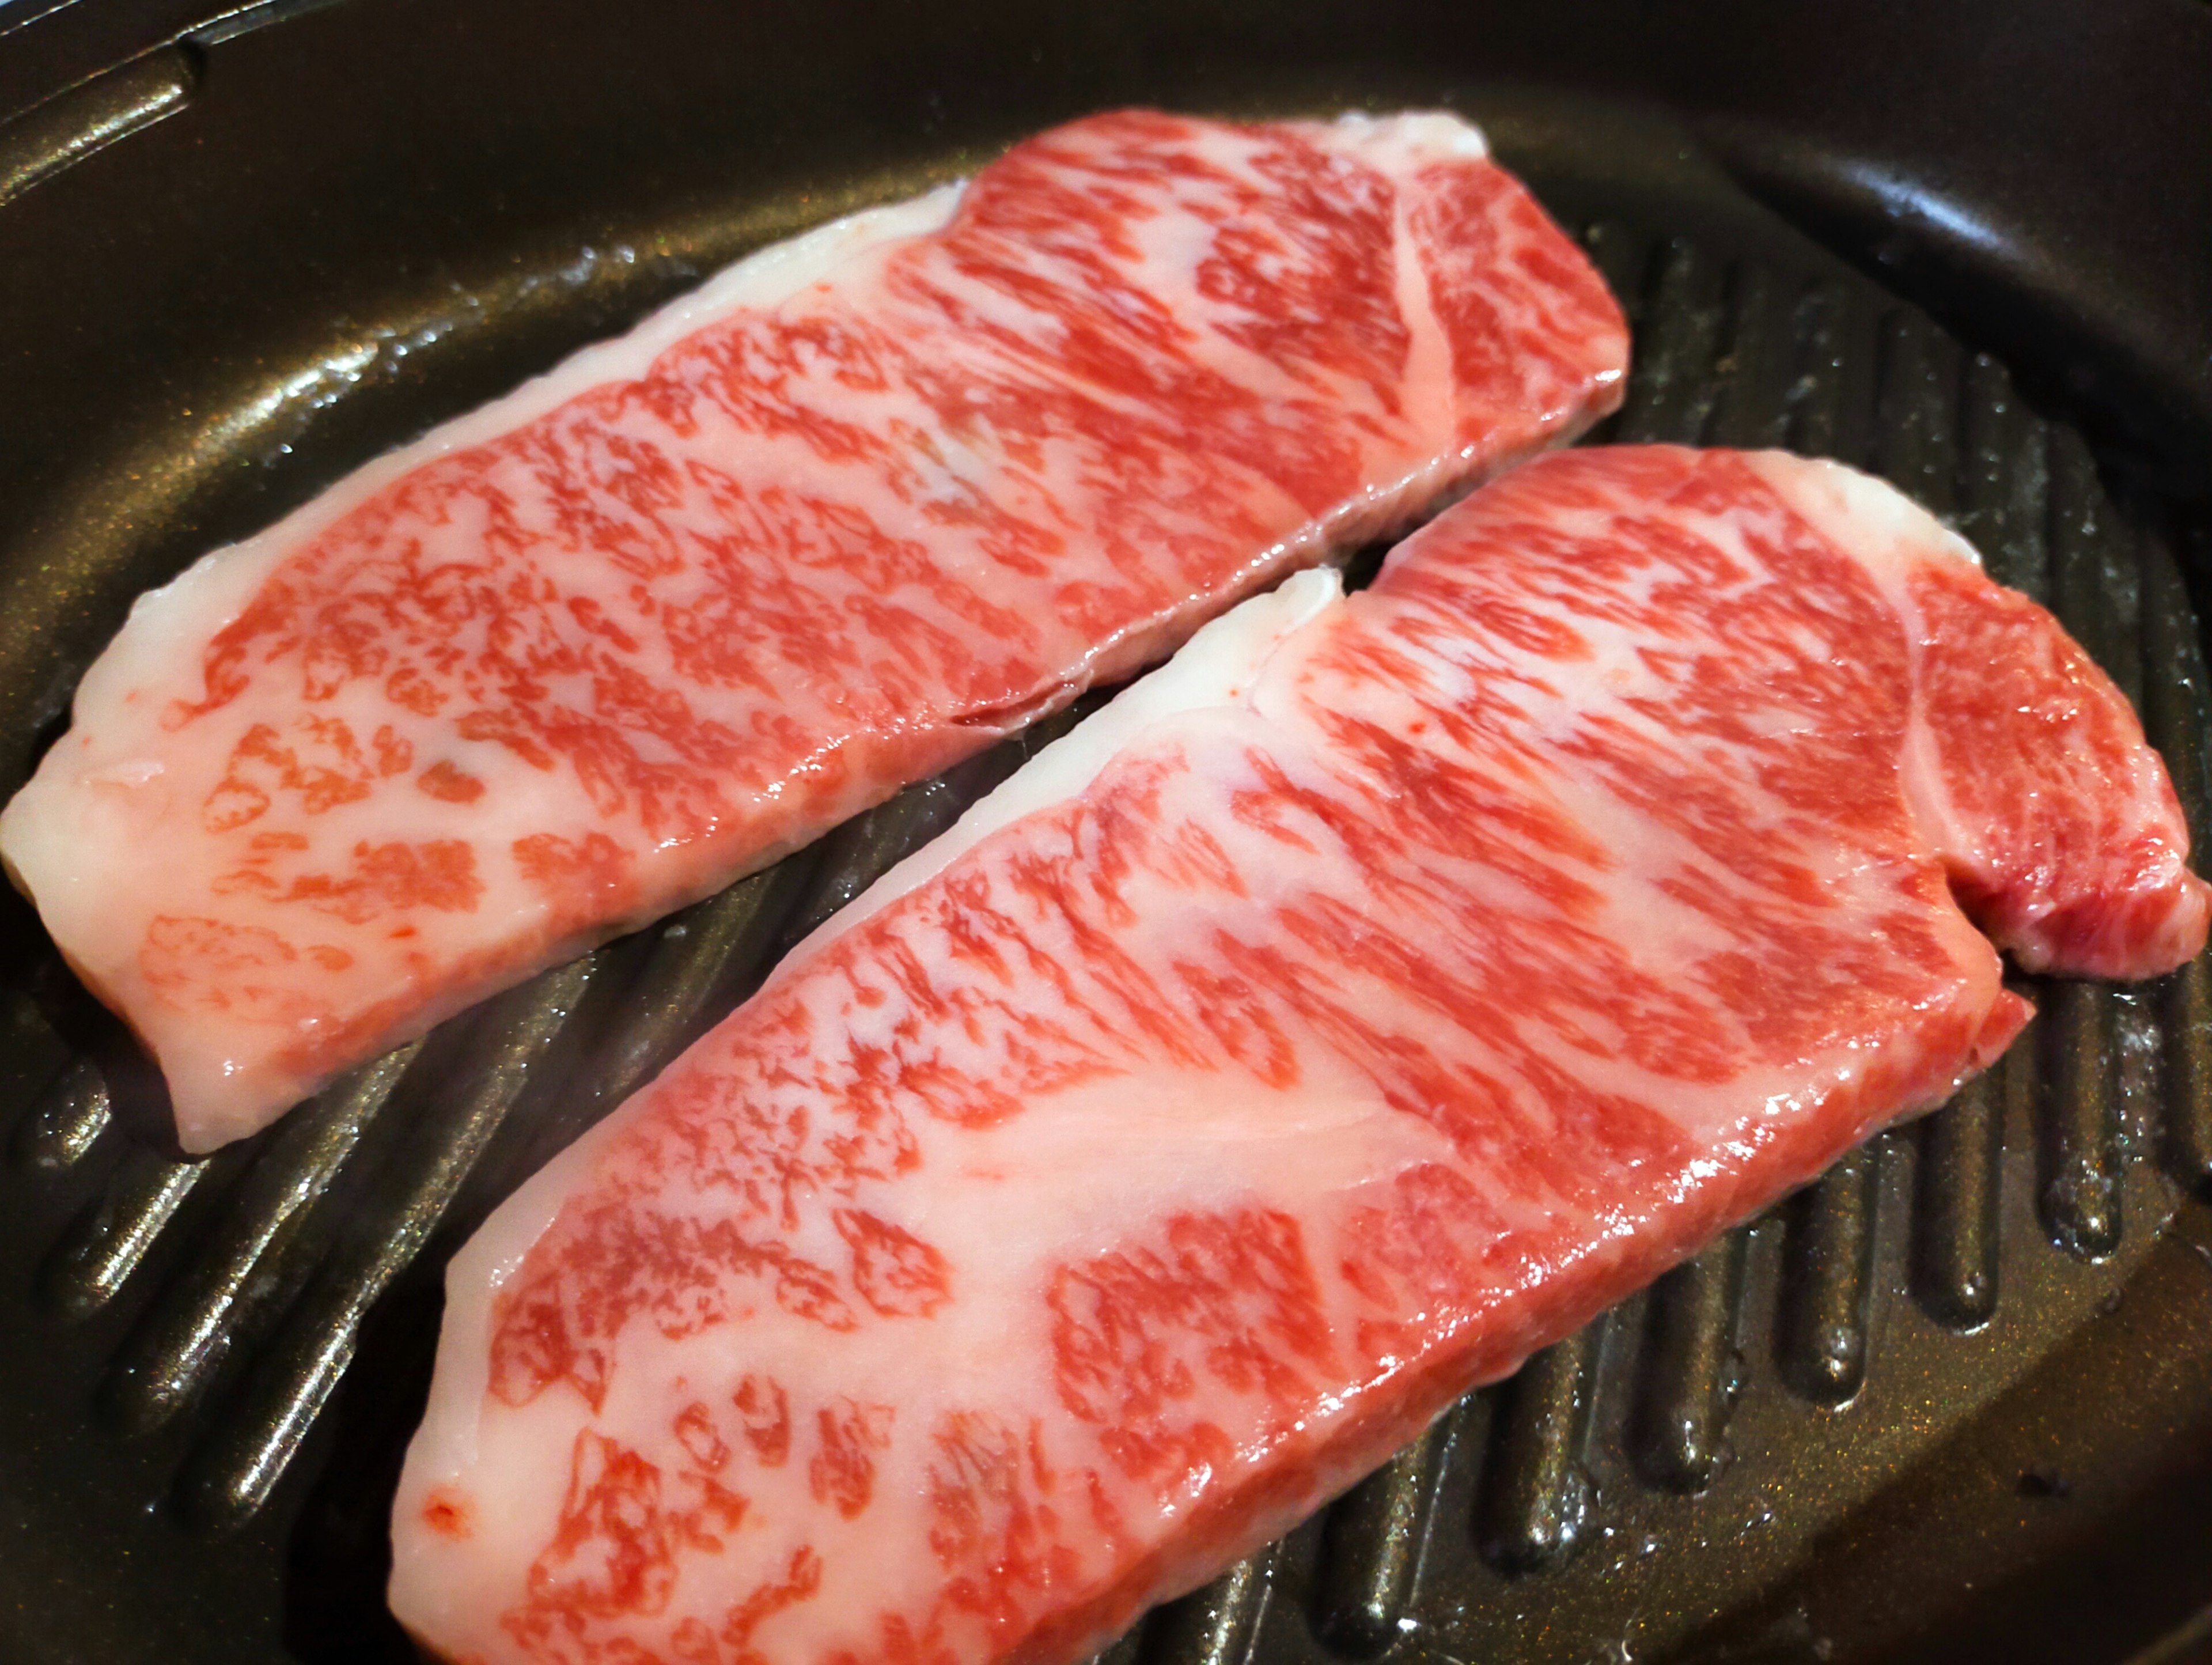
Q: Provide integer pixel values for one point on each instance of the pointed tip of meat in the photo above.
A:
(2056, 819)
(2156, 922)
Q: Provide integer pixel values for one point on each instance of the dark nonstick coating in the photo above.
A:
(1953, 1403)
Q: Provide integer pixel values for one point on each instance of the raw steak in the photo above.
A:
(1358, 1004)
(867, 502)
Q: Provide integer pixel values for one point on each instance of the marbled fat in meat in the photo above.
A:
(1365, 1000)
(866, 503)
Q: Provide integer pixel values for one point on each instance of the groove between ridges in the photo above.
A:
(1827, 1280)
(2178, 715)
(1219, 1624)
(1372, 1544)
(1690, 1371)
(1958, 1184)
(1534, 1499)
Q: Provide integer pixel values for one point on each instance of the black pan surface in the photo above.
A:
(1953, 1402)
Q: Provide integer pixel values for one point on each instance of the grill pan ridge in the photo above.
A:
(1895, 1419)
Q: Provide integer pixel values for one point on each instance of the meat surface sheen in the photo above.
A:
(868, 502)
(1359, 1004)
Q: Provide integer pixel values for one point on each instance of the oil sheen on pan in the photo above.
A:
(867, 502)
(1359, 1003)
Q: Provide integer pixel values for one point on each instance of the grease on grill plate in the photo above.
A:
(1621, 1492)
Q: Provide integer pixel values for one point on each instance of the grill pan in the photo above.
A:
(1953, 1401)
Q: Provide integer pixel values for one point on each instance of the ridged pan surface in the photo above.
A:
(1952, 1401)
